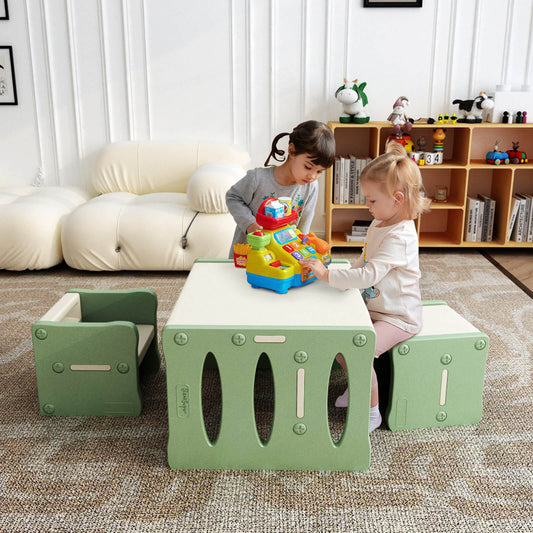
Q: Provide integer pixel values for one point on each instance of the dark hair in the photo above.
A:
(310, 137)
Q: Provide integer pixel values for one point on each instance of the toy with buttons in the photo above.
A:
(272, 260)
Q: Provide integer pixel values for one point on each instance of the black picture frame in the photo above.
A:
(392, 3)
(8, 84)
(4, 11)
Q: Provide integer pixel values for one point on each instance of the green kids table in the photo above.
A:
(218, 314)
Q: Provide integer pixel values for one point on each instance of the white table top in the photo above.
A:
(218, 294)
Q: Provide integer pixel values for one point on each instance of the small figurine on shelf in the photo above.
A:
(353, 100)
(472, 110)
(495, 157)
(438, 144)
(401, 123)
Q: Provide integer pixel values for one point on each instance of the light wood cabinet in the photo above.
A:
(464, 172)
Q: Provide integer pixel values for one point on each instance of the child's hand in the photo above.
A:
(254, 226)
(318, 268)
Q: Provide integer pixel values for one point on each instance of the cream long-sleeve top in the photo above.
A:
(388, 273)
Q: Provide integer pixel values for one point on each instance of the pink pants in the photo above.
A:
(388, 336)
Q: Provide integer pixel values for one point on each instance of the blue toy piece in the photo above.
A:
(497, 158)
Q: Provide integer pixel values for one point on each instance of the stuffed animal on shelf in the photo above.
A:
(398, 118)
(353, 100)
(472, 110)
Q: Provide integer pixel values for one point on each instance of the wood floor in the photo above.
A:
(516, 264)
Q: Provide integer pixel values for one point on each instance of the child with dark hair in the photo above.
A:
(311, 150)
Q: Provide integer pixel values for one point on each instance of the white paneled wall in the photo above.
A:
(96, 71)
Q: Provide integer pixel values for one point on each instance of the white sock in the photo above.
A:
(375, 418)
(342, 400)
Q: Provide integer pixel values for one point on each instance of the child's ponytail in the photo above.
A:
(275, 151)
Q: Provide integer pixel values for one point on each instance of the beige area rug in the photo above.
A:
(111, 474)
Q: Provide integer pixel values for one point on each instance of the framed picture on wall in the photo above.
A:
(4, 13)
(392, 3)
(8, 86)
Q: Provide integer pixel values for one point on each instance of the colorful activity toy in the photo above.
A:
(273, 260)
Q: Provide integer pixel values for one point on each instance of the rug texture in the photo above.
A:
(111, 474)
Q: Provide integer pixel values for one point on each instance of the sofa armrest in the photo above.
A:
(206, 191)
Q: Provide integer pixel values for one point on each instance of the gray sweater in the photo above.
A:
(245, 197)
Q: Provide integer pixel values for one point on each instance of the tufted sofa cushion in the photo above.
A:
(124, 231)
(208, 185)
(31, 219)
(143, 167)
(152, 195)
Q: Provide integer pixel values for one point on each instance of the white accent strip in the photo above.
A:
(71, 31)
(66, 309)
(146, 72)
(33, 78)
(105, 71)
(300, 393)
(128, 67)
(303, 59)
(443, 387)
(507, 42)
(432, 69)
(327, 51)
(248, 79)
(270, 338)
(98, 368)
(451, 46)
(50, 92)
(475, 48)
(347, 40)
(272, 37)
(529, 55)
(232, 77)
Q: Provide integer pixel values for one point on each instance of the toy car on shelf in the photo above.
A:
(516, 156)
(273, 259)
(497, 158)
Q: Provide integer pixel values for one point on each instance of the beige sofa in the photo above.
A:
(31, 219)
(160, 206)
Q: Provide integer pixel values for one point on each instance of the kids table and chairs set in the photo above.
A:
(92, 347)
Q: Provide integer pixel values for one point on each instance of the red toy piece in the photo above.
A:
(516, 156)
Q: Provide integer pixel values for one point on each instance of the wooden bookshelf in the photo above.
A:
(463, 171)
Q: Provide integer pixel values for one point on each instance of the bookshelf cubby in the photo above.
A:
(464, 172)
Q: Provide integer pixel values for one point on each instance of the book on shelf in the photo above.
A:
(529, 237)
(518, 229)
(525, 231)
(346, 179)
(522, 230)
(471, 226)
(515, 204)
(487, 223)
(361, 225)
(355, 237)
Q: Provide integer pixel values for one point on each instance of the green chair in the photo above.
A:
(436, 377)
(90, 350)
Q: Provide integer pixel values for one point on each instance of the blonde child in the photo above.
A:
(388, 270)
(311, 150)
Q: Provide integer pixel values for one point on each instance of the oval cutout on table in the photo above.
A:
(338, 383)
(264, 398)
(211, 397)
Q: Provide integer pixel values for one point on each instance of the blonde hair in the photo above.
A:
(396, 171)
